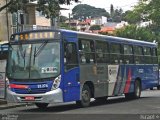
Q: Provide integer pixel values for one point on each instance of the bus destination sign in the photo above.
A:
(36, 36)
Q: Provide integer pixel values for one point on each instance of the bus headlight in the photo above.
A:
(56, 82)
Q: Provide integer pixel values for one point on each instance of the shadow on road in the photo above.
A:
(72, 106)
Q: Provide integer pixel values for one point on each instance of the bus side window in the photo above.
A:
(128, 54)
(86, 49)
(147, 55)
(70, 55)
(154, 56)
(138, 55)
(102, 52)
(115, 53)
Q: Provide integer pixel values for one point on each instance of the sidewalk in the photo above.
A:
(5, 105)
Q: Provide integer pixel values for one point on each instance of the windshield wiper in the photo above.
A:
(38, 51)
(23, 54)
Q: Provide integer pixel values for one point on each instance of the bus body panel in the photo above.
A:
(97, 75)
(127, 74)
(70, 78)
(55, 96)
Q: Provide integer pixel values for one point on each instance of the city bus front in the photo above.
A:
(33, 68)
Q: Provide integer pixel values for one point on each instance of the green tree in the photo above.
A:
(95, 27)
(111, 10)
(134, 32)
(152, 9)
(137, 14)
(84, 11)
(62, 18)
(132, 17)
(50, 8)
(117, 16)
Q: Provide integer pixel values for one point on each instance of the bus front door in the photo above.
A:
(71, 82)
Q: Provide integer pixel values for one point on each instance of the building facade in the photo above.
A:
(5, 23)
(11, 23)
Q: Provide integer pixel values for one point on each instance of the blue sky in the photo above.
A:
(124, 4)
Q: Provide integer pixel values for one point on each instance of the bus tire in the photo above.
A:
(41, 105)
(151, 88)
(137, 89)
(158, 87)
(128, 96)
(85, 97)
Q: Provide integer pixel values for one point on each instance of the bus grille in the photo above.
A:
(31, 91)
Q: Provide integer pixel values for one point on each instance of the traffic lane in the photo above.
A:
(147, 104)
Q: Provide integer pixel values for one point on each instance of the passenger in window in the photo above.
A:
(82, 58)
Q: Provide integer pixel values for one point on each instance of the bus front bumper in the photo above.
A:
(48, 97)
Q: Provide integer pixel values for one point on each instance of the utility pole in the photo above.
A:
(7, 21)
(69, 20)
(17, 19)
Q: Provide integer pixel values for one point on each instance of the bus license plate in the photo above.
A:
(29, 98)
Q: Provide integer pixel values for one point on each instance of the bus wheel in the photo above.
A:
(137, 89)
(151, 88)
(41, 105)
(85, 97)
(128, 96)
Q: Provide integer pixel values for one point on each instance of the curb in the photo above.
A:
(2, 107)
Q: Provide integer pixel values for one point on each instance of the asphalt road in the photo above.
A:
(116, 108)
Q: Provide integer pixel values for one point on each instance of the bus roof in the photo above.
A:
(105, 37)
(113, 38)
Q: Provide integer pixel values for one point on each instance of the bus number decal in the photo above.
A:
(42, 86)
(141, 71)
(49, 70)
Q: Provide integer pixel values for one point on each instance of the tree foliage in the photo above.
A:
(111, 10)
(145, 10)
(95, 27)
(132, 17)
(153, 10)
(85, 11)
(50, 8)
(115, 14)
(62, 19)
(134, 32)
(66, 26)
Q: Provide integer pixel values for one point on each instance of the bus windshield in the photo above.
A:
(34, 61)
